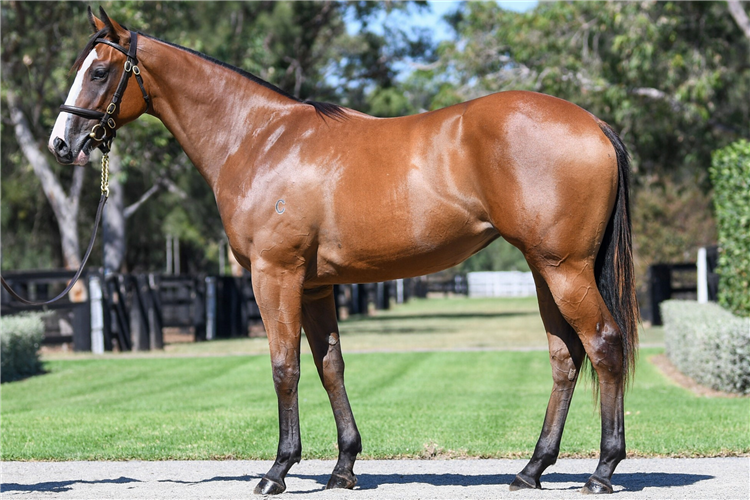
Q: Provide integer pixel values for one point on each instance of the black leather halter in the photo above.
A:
(104, 131)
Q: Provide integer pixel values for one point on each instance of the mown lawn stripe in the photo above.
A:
(486, 403)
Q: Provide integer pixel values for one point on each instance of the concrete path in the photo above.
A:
(701, 478)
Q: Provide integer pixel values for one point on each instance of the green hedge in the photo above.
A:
(20, 338)
(730, 174)
(708, 344)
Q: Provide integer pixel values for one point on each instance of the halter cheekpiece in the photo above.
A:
(104, 131)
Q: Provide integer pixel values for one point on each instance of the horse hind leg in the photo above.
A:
(566, 355)
(573, 287)
(321, 330)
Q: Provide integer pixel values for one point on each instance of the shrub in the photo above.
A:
(709, 344)
(730, 174)
(20, 338)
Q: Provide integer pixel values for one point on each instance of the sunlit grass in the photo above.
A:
(479, 403)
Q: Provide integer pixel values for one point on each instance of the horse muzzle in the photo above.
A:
(65, 155)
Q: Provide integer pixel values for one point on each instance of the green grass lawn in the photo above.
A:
(477, 403)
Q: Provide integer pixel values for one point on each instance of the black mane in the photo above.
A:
(326, 109)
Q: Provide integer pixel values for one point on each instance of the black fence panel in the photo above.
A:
(678, 281)
(65, 321)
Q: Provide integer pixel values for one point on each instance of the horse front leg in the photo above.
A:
(322, 332)
(279, 300)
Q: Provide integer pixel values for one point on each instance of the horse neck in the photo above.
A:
(210, 109)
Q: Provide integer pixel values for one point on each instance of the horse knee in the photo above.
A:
(285, 377)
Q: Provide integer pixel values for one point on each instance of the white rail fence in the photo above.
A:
(501, 284)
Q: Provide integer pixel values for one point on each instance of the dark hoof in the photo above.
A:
(342, 481)
(597, 486)
(524, 483)
(269, 487)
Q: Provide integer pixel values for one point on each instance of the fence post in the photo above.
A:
(382, 295)
(97, 315)
(660, 288)
(210, 308)
(138, 325)
(702, 276)
(151, 290)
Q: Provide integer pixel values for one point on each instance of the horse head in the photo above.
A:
(100, 100)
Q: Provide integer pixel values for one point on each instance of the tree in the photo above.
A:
(669, 75)
(672, 77)
(27, 63)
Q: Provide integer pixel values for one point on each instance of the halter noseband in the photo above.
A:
(104, 131)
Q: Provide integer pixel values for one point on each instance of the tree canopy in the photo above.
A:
(671, 77)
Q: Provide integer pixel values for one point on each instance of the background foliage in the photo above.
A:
(20, 338)
(671, 77)
(708, 344)
(730, 173)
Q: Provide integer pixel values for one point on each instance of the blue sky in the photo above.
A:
(438, 9)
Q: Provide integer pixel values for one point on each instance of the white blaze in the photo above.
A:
(75, 90)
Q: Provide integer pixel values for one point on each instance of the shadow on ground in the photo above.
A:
(60, 486)
(629, 481)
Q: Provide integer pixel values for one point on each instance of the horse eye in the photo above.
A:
(99, 74)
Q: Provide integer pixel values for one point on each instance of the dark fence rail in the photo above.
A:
(66, 321)
(679, 281)
(130, 311)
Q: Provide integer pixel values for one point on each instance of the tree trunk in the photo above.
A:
(113, 228)
(740, 16)
(64, 206)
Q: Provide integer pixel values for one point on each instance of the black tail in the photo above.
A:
(615, 277)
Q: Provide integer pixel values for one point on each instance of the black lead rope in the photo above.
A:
(105, 127)
(102, 201)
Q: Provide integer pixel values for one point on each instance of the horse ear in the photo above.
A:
(116, 32)
(96, 23)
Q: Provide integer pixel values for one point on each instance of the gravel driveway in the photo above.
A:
(662, 478)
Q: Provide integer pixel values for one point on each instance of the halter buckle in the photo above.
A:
(136, 70)
(128, 66)
(111, 123)
(111, 108)
(93, 133)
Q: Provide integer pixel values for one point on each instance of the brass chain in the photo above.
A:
(105, 174)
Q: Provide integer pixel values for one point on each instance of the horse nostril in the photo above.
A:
(61, 147)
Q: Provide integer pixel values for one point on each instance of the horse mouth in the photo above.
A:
(84, 152)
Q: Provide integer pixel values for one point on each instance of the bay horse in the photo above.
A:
(312, 194)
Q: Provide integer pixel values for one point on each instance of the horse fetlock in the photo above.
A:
(350, 445)
(613, 452)
(288, 456)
